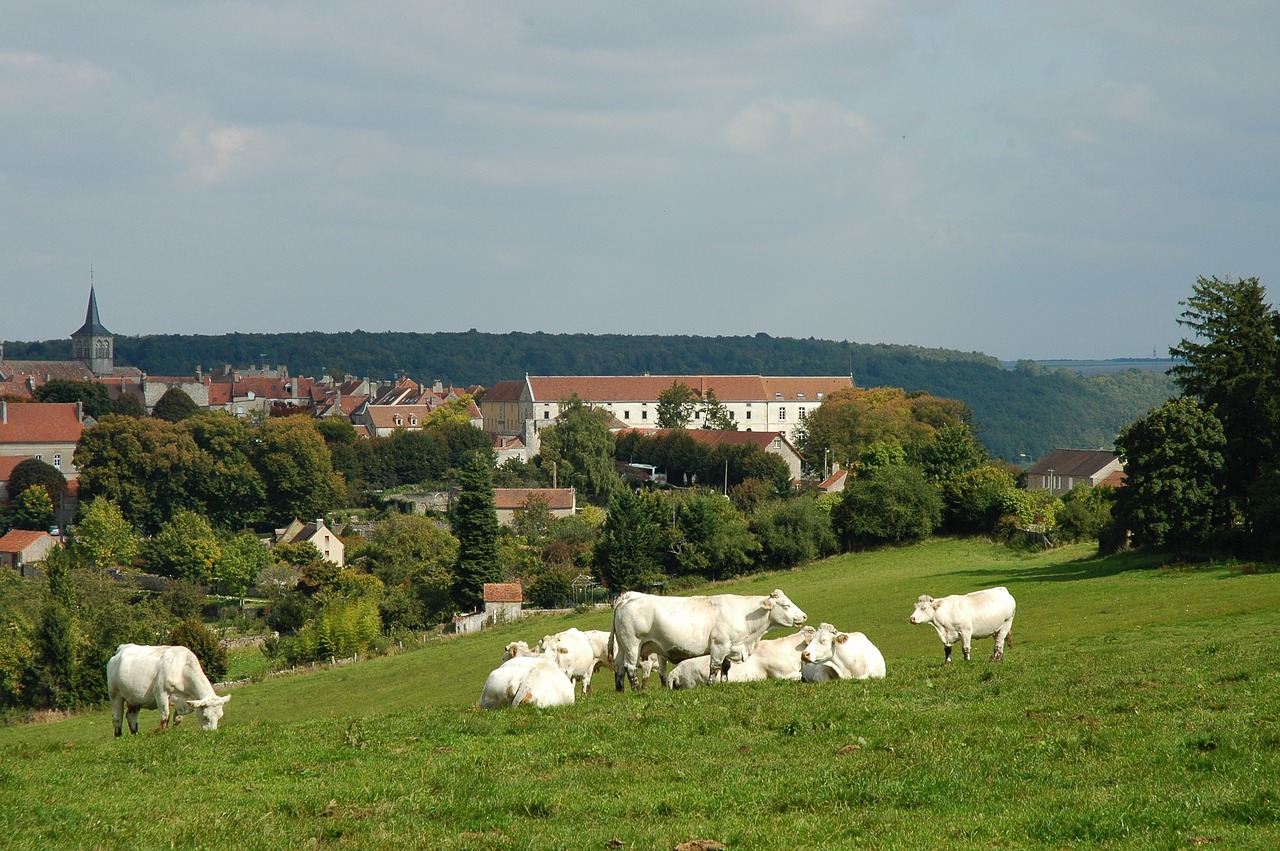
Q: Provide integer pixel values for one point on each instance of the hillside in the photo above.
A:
(1020, 414)
(1133, 710)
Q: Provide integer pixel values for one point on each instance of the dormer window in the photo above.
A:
(399, 420)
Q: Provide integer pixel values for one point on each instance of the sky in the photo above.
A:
(1023, 179)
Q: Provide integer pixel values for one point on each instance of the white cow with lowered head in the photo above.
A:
(527, 680)
(773, 659)
(164, 677)
(967, 616)
(720, 626)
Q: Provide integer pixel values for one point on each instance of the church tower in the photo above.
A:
(94, 345)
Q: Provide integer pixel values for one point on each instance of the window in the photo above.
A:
(782, 413)
(801, 413)
(399, 420)
(644, 415)
(748, 417)
(413, 421)
(57, 461)
(626, 415)
(39, 457)
(546, 415)
(777, 443)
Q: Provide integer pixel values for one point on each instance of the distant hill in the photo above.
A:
(1021, 413)
(1102, 367)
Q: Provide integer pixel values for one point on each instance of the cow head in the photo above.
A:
(782, 611)
(926, 606)
(821, 647)
(208, 711)
(517, 648)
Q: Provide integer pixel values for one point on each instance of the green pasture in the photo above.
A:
(1137, 708)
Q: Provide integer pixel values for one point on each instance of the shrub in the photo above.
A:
(194, 634)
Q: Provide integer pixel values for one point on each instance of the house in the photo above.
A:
(835, 482)
(20, 548)
(48, 431)
(503, 601)
(408, 404)
(324, 539)
(775, 442)
(1063, 469)
(561, 501)
(756, 402)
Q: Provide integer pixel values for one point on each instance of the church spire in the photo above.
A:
(93, 344)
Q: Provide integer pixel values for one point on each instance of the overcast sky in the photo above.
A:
(1024, 179)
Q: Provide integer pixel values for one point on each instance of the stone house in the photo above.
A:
(1063, 469)
(20, 548)
(316, 533)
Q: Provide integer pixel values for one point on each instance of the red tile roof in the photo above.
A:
(39, 422)
(504, 391)
(511, 498)
(8, 462)
(18, 540)
(503, 592)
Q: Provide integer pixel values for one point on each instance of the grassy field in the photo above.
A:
(1137, 708)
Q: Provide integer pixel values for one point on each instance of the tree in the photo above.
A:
(33, 509)
(243, 557)
(194, 635)
(475, 525)
(403, 546)
(50, 681)
(128, 405)
(174, 406)
(33, 471)
(676, 405)
(91, 394)
(894, 503)
(581, 446)
(222, 480)
(185, 548)
(532, 519)
(976, 498)
(793, 531)
(296, 469)
(716, 414)
(628, 554)
(1232, 370)
(712, 538)
(103, 537)
(1175, 473)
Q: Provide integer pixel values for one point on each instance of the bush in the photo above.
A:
(194, 634)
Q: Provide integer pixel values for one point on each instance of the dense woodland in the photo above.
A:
(1019, 414)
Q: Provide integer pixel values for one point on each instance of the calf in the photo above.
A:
(846, 655)
(967, 616)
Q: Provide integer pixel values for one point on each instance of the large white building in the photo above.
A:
(756, 402)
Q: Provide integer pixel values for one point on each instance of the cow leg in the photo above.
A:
(964, 640)
(946, 652)
(998, 654)
(132, 716)
(117, 713)
(586, 685)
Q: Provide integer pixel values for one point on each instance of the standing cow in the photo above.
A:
(724, 627)
(846, 655)
(967, 616)
(571, 649)
(165, 677)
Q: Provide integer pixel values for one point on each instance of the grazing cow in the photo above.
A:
(572, 652)
(773, 659)
(527, 681)
(722, 626)
(966, 616)
(847, 655)
(166, 677)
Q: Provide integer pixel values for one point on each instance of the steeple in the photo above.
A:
(94, 344)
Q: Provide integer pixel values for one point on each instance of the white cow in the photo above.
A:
(722, 626)
(966, 616)
(773, 659)
(847, 655)
(165, 677)
(527, 681)
(518, 648)
(572, 651)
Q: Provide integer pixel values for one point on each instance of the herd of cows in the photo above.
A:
(720, 638)
(707, 639)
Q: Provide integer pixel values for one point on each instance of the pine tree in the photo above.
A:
(475, 525)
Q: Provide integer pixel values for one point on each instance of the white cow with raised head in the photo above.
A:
(968, 616)
(721, 626)
(773, 659)
(164, 677)
(533, 680)
(832, 654)
(571, 648)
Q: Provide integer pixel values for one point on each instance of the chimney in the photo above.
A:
(4, 412)
(79, 411)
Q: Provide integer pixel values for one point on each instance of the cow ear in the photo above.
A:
(766, 603)
(842, 638)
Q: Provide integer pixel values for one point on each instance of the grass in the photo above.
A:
(1136, 709)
